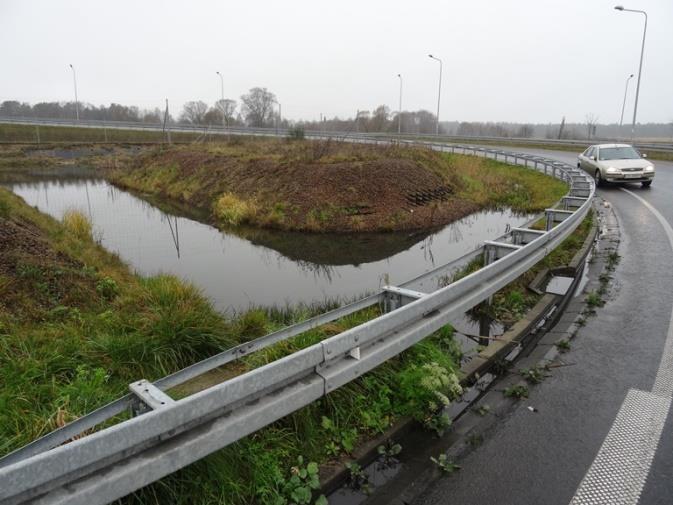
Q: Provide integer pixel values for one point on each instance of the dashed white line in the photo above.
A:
(620, 469)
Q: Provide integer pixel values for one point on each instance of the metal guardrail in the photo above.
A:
(166, 435)
(219, 130)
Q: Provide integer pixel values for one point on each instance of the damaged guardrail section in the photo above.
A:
(166, 435)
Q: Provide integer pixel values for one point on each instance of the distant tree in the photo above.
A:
(362, 120)
(152, 116)
(591, 121)
(48, 110)
(15, 109)
(379, 120)
(213, 117)
(258, 107)
(228, 108)
(194, 112)
(525, 131)
(118, 112)
(425, 121)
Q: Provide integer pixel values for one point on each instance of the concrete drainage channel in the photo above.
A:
(531, 343)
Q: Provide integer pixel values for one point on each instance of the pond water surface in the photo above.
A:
(252, 266)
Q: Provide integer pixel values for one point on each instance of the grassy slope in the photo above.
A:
(321, 186)
(76, 327)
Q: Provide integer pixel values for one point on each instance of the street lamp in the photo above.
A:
(640, 67)
(439, 93)
(399, 110)
(279, 116)
(74, 80)
(224, 119)
(626, 89)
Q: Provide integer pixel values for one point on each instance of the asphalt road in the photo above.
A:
(574, 449)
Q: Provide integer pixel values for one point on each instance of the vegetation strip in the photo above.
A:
(576, 247)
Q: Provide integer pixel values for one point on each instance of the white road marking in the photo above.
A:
(620, 469)
(663, 384)
(619, 472)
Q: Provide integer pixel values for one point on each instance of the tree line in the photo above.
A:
(260, 108)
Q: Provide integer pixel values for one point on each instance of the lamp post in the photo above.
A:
(74, 80)
(626, 89)
(278, 116)
(224, 118)
(399, 110)
(439, 93)
(640, 67)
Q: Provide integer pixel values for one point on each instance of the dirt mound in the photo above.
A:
(309, 186)
(34, 277)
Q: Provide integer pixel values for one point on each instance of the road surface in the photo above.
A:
(603, 432)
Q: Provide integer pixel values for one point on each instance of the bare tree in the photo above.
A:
(194, 112)
(258, 106)
(227, 108)
(213, 116)
(379, 120)
(525, 131)
(592, 121)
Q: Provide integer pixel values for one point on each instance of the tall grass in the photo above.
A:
(232, 210)
(77, 223)
(490, 183)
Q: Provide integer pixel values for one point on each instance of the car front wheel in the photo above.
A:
(646, 184)
(598, 178)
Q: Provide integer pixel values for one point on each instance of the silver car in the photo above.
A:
(616, 163)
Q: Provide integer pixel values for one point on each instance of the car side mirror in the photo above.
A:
(644, 155)
(592, 158)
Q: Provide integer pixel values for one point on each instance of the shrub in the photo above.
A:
(107, 288)
(296, 133)
(77, 224)
(252, 324)
(427, 388)
(232, 210)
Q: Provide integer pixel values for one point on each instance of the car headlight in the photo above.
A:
(649, 168)
(612, 170)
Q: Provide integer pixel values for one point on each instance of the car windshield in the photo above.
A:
(618, 153)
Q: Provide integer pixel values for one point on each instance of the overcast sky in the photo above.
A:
(504, 60)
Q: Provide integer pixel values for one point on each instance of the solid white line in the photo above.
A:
(620, 469)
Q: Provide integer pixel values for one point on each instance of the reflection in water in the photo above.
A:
(174, 234)
(253, 266)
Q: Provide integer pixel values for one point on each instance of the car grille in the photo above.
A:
(631, 169)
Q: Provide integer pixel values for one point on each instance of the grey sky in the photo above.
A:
(525, 60)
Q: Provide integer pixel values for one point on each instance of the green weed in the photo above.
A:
(563, 345)
(444, 464)
(517, 391)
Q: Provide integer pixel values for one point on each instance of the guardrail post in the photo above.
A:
(396, 297)
(148, 397)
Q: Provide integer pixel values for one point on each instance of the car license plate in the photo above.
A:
(632, 176)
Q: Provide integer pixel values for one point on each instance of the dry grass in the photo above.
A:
(231, 210)
(77, 224)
